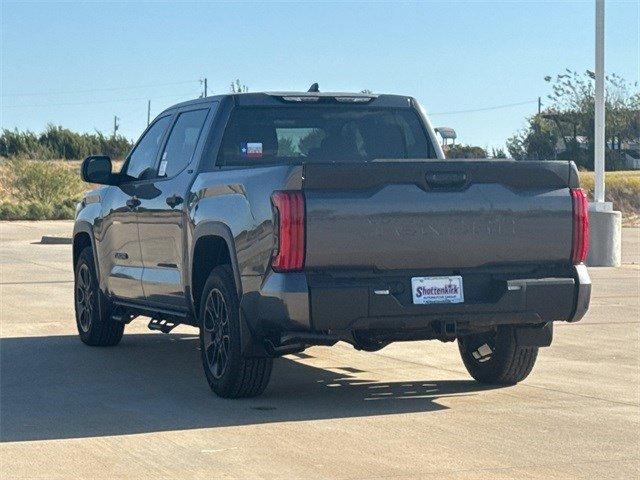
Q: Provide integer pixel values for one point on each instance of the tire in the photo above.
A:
(229, 374)
(367, 344)
(93, 311)
(495, 358)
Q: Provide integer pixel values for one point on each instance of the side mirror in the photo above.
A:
(98, 169)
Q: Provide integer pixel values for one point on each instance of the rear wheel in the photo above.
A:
(93, 312)
(364, 342)
(229, 374)
(495, 358)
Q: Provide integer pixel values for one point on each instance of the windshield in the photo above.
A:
(294, 135)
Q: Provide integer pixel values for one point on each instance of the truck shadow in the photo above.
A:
(55, 388)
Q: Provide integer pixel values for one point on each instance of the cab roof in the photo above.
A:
(303, 98)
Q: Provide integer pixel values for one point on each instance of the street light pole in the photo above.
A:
(599, 134)
(605, 224)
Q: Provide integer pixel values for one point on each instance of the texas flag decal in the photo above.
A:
(251, 149)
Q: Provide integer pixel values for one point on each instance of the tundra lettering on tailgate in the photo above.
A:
(403, 228)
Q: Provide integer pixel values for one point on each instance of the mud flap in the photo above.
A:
(534, 336)
(250, 347)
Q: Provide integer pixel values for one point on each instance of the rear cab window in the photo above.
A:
(296, 134)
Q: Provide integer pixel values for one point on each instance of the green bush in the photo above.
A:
(65, 210)
(9, 210)
(12, 211)
(44, 183)
(25, 144)
(39, 211)
(58, 142)
(38, 190)
(465, 151)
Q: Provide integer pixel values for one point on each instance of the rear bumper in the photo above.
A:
(299, 302)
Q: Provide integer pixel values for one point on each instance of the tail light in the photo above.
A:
(580, 242)
(289, 207)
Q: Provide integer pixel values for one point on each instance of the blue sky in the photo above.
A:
(79, 64)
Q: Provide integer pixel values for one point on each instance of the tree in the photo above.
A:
(464, 151)
(59, 142)
(499, 153)
(238, 87)
(573, 111)
(537, 141)
(565, 130)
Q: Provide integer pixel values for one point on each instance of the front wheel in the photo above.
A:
(495, 358)
(229, 374)
(93, 313)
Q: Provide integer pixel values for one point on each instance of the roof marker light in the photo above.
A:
(301, 99)
(353, 99)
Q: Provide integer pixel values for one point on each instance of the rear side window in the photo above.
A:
(143, 158)
(182, 142)
(294, 135)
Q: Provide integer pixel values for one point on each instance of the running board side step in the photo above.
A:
(295, 342)
(122, 317)
(162, 325)
(163, 319)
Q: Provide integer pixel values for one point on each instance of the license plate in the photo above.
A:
(427, 290)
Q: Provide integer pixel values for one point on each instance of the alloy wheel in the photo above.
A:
(216, 333)
(84, 297)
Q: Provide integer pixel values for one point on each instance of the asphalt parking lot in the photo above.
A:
(144, 410)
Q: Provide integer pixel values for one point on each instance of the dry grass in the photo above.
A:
(623, 189)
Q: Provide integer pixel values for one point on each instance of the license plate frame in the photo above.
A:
(448, 289)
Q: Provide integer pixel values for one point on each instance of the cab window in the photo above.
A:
(182, 142)
(323, 133)
(142, 160)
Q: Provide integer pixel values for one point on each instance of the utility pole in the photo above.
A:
(203, 81)
(599, 134)
(148, 112)
(116, 125)
(539, 105)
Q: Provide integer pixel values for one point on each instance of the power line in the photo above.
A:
(113, 89)
(497, 107)
(95, 102)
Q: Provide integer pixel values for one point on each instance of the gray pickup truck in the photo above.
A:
(278, 221)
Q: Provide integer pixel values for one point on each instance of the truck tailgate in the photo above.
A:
(393, 215)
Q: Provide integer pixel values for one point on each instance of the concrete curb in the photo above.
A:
(50, 240)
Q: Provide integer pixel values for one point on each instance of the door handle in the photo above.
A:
(133, 203)
(446, 180)
(174, 200)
